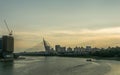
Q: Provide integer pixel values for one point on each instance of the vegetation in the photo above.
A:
(109, 52)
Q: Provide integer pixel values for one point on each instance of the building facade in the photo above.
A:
(7, 47)
(0, 45)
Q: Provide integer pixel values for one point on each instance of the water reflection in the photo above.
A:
(6, 68)
(56, 66)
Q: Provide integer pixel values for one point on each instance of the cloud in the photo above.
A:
(115, 30)
(83, 37)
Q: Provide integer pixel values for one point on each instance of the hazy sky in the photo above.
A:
(65, 22)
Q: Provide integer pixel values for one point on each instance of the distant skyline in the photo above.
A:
(65, 22)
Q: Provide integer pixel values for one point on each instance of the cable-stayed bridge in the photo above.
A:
(42, 46)
(41, 49)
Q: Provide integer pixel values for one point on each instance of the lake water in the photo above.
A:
(59, 66)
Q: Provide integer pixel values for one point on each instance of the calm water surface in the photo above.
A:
(59, 66)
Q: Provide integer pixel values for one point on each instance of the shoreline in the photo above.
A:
(94, 57)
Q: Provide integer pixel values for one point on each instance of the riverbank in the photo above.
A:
(87, 56)
(107, 58)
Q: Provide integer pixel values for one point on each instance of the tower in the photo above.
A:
(46, 45)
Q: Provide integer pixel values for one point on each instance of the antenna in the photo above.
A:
(10, 31)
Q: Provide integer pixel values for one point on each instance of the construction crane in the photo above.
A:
(10, 31)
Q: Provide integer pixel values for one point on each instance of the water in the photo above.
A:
(59, 66)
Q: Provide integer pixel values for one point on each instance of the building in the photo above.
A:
(69, 49)
(0, 45)
(77, 50)
(7, 46)
(57, 48)
(63, 49)
(60, 49)
(88, 48)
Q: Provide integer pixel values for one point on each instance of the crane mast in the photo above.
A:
(10, 31)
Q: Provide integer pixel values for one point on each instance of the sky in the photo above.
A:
(65, 22)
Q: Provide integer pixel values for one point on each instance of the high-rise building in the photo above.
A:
(7, 47)
(7, 44)
(63, 49)
(57, 48)
(0, 45)
(88, 48)
(69, 49)
(76, 49)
